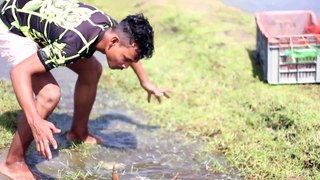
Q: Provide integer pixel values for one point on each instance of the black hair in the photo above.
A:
(139, 31)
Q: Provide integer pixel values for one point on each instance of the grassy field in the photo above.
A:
(204, 55)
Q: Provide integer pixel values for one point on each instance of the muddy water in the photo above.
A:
(138, 150)
(276, 5)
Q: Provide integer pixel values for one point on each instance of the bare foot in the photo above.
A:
(89, 139)
(17, 171)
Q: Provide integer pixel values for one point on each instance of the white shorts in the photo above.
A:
(14, 48)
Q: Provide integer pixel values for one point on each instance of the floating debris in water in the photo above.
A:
(115, 175)
(176, 176)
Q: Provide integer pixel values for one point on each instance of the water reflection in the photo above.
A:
(139, 150)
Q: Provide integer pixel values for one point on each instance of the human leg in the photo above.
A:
(89, 72)
(47, 93)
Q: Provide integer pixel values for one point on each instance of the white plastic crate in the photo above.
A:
(287, 55)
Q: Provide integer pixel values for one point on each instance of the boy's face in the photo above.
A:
(120, 56)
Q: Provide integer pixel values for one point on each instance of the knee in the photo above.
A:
(49, 96)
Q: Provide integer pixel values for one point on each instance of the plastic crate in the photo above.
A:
(287, 55)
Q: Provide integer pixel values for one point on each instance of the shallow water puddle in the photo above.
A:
(138, 150)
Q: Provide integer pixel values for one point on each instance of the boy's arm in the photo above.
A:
(146, 84)
(21, 81)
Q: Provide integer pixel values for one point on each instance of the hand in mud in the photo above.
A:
(42, 132)
(157, 92)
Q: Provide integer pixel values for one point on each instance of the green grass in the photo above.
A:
(9, 112)
(203, 53)
(204, 56)
(81, 152)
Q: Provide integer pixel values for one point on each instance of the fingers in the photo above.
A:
(43, 145)
(47, 150)
(53, 142)
(149, 97)
(43, 148)
(158, 95)
(166, 95)
(162, 93)
(159, 99)
(54, 129)
(51, 139)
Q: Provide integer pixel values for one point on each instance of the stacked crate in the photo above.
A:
(286, 53)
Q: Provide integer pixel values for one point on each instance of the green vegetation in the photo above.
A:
(204, 54)
(79, 152)
(9, 112)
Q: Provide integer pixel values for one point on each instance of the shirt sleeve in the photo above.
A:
(57, 54)
(74, 43)
(64, 52)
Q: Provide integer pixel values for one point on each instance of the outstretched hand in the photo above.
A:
(43, 135)
(157, 92)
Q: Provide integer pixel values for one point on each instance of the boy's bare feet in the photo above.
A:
(89, 139)
(17, 170)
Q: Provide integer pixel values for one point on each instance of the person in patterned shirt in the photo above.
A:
(37, 36)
